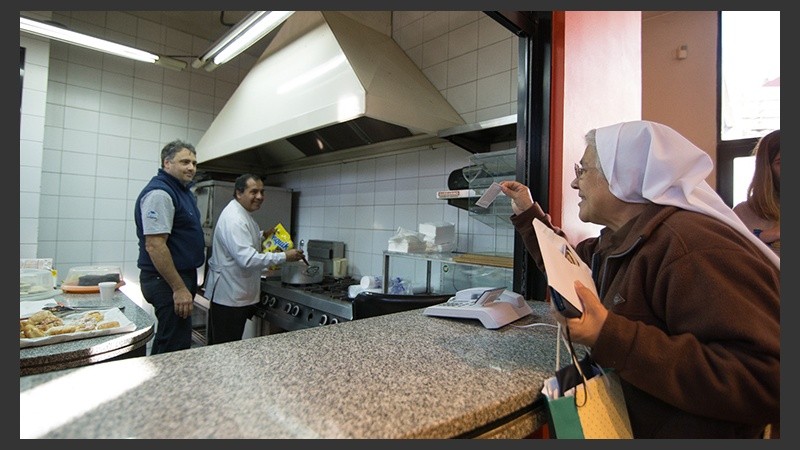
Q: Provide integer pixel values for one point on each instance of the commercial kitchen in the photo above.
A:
(441, 93)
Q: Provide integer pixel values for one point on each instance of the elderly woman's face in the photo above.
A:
(597, 202)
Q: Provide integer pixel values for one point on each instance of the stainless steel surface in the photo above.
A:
(200, 320)
(303, 249)
(298, 120)
(289, 307)
(302, 299)
(479, 137)
(214, 195)
(301, 273)
(319, 249)
(325, 252)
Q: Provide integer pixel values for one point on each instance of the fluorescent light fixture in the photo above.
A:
(71, 37)
(246, 33)
(82, 40)
(171, 63)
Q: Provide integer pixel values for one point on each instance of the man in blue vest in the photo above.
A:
(171, 246)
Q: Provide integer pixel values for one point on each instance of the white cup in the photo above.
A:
(339, 267)
(354, 290)
(371, 281)
(107, 289)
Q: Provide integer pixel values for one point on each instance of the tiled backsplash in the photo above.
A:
(92, 127)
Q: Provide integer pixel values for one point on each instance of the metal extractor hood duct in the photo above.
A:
(327, 88)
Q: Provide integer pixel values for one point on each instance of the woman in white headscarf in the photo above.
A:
(690, 309)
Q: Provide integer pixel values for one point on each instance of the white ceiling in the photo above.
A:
(210, 25)
(206, 24)
(213, 24)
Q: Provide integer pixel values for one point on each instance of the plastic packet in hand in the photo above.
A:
(278, 241)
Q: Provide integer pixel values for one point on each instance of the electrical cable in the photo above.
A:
(222, 20)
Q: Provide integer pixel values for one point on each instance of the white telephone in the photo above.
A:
(493, 306)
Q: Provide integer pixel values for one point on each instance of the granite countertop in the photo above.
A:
(63, 355)
(403, 375)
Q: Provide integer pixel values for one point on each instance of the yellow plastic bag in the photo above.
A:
(278, 241)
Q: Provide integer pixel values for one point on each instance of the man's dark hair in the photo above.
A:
(241, 182)
(169, 150)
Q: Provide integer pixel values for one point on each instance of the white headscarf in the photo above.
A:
(647, 161)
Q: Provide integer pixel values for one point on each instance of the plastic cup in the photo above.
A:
(107, 289)
(371, 282)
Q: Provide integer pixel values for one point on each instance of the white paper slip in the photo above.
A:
(489, 195)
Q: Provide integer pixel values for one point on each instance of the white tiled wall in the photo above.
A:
(31, 140)
(472, 61)
(92, 127)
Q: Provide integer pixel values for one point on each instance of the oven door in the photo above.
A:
(200, 320)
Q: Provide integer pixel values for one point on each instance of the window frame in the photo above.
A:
(729, 150)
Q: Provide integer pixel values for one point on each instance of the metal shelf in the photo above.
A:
(477, 274)
(492, 167)
(479, 137)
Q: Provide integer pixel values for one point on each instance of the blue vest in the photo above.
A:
(186, 242)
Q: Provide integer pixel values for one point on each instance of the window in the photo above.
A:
(749, 94)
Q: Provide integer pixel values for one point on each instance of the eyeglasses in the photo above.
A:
(579, 171)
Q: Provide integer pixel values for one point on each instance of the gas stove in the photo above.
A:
(290, 307)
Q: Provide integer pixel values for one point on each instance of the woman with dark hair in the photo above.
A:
(761, 212)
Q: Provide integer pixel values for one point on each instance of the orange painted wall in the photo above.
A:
(596, 81)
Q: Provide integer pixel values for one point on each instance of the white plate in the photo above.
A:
(125, 326)
(27, 309)
(40, 295)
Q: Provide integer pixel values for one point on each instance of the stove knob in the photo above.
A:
(295, 311)
(334, 321)
(272, 302)
(287, 308)
(323, 320)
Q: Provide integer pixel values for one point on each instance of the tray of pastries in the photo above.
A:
(46, 327)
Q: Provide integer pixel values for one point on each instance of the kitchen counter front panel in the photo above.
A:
(401, 375)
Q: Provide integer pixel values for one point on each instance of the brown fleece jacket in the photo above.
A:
(694, 322)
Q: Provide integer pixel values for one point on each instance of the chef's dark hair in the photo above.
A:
(170, 150)
(241, 182)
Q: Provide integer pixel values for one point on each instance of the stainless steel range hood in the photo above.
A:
(327, 88)
(479, 137)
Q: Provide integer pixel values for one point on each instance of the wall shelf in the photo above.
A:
(445, 272)
(479, 137)
(487, 168)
